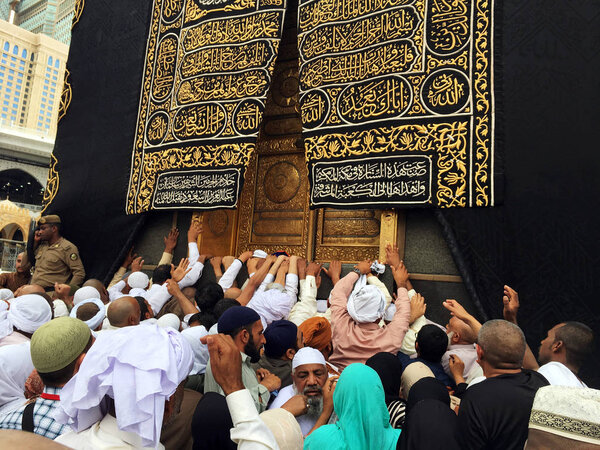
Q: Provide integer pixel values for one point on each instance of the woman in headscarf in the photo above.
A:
(430, 423)
(285, 428)
(389, 369)
(363, 419)
(211, 424)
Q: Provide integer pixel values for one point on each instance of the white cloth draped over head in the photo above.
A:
(138, 292)
(27, 313)
(307, 355)
(285, 428)
(95, 321)
(193, 335)
(138, 367)
(138, 280)
(271, 305)
(3, 305)
(15, 367)
(85, 293)
(169, 320)
(6, 294)
(366, 302)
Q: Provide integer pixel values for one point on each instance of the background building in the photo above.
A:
(49, 17)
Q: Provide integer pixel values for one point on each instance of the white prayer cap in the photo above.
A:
(6, 294)
(389, 313)
(169, 320)
(566, 412)
(138, 280)
(158, 359)
(27, 313)
(307, 355)
(259, 254)
(95, 321)
(367, 304)
(85, 293)
(138, 292)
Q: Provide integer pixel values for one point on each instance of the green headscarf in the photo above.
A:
(364, 420)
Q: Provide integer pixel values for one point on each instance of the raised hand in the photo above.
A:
(129, 258)
(245, 256)
(457, 368)
(173, 287)
(194, 231)
(328, 390)
(170, 240)
(456, 309)
(417, 308)
(137, 264)
(297, 405)
(271, 382)
(313, 269)
(400, 275)
(392, 257)
(511, 304)
(364, 267)
(177, 273)
(334, 271)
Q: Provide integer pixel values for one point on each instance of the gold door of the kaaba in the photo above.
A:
(273, 212)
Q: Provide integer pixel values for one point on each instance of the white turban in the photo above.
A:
(138, 292)
(85, 293)
(95, 321)
(138, 280)
(259, 254)
(169, 320)
(27, 313)
(366, 302)
(389, 313)
(6, 294)
(139, 368)
(307, 355)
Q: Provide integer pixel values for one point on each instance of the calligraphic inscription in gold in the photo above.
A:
(208, 68)
(415, 75)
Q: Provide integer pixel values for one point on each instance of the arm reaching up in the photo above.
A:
(457, 310)
(510, 299)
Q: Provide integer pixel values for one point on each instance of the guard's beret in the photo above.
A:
(49, 219)
(236, 317)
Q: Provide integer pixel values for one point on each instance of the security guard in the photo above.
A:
(56, 259)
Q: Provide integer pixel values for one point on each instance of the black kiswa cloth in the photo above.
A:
(544, 241)
(93, 142)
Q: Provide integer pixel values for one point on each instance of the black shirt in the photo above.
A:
(494, 414)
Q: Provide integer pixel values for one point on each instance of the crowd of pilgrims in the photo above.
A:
(175, 361)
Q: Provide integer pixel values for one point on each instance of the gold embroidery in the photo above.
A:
(66, 96)
(77, 12)
(52, 184)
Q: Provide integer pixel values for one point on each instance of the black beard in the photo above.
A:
(251, 351)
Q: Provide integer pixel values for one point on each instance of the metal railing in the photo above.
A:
(8, 254)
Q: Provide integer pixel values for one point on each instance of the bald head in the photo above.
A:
(123, 312)
(30, 289)
(502, 344)
(97, 284)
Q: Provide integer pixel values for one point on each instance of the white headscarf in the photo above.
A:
(15, 367)
(193, 335)
(27, 313)
(138, 280)
(95, 321)
(85, 293)
(140, 368)
(271, 305)
(6, 294)
(366, 302)
(169, 320)
(138, 292)
(307, 355)
(285, 428)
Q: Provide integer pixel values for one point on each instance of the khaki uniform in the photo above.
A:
(57, 263)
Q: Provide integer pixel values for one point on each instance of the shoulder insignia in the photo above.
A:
(73, 256)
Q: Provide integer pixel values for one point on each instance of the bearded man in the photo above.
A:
(309, 375)
(244, 326)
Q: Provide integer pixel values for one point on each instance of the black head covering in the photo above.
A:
(427, 389)
(211, 424)
(431, 425)
(389, 369)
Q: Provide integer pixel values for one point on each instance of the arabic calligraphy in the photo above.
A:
(372, 100)
(314, 107)
(445, 91)
(250, 83)
(395, 57)
(164, 70)
(399, 23)
(206, 120)
(233, 30)
(449, 27)
(171, 10)
(157, 128)
(316, 12)
(247, 117)
(232, 58)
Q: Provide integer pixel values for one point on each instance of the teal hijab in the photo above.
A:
(364, 420)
